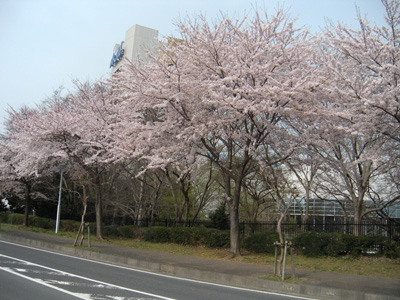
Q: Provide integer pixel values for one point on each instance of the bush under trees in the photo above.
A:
(261, 242)
(337, 244)
(194, 236)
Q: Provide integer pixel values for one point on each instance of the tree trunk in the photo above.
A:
(305, 217)
(185, 191)
(27, 204)
(357, 218)
(307, 212)
(174, 197)
(140, 207)
(204, 197)
(99, 212)
(281, 241)
(234, 230)
(81, 230)
(234, 221)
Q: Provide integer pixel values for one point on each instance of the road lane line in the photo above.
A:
(39, 281)
(72, 275)
(163, 275)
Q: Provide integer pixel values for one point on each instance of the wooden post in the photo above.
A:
(277, 244)
(284, 260)
(287, 245)
(81, 228)
(88, 230)
(291, 255)
(83, 235)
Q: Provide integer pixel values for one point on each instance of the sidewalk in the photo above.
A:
(319, 285)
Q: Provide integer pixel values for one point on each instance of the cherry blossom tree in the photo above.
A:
(25, 160)
(89, 114)
(219, 92)
(11, 181)
(72, 126)
(359, 96)
(349, 170)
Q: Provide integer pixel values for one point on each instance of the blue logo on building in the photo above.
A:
(118, 54)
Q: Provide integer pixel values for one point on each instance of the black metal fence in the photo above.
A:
(384, 228)
(376, 228)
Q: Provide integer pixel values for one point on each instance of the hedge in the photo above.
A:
(337, 244)
(35, 221)
(194, 236)
(14, 219)
(261, 242)
(42, 222)
(126, 232)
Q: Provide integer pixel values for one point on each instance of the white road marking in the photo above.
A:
(51, 283)
(44, 283)
(162, 275)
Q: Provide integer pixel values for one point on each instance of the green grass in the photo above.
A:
(367, 266)
(363, 265)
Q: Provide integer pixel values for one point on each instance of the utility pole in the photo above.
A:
(59, 202)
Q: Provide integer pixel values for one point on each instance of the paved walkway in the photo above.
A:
(320, 285)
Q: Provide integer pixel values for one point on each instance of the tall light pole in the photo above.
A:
(59, 202)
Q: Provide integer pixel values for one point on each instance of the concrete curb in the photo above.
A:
(302, 290)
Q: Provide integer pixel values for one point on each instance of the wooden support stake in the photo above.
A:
(276, 257)
(291, 255)
(77, 236)
(284, 260)
(88, 230)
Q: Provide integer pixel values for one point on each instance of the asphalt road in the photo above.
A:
(28, 273)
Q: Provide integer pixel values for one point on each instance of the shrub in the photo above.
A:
(111, 231)
(127, 231)
(219, 218)
(209, 237)
(391, 249)
(311, 243)
(261, 242)
(215, 238)
(139, 232)
(186, 235)
(336, 244)
(364, 245)
(4, 218)
(69, 225)
(130, 232)
(179, 235)
(43, 223)
(15, 219)
(157, 234)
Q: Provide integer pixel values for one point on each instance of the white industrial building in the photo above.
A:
(138, 40)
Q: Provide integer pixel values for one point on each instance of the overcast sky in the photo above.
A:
(45, 44)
